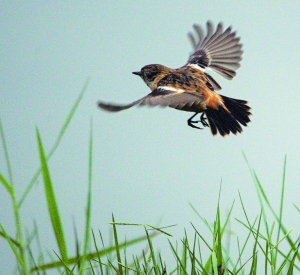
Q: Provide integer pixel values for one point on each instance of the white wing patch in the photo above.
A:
(197, 67)
(173, 89)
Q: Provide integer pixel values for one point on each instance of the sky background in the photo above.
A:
(148, 165)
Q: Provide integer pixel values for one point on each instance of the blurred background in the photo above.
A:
(148, 165)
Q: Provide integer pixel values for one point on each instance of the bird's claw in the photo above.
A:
(202, 120)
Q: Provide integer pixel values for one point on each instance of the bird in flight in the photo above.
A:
(190, 88)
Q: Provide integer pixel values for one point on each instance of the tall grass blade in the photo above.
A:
(155, 266)
(178, 261)
(9, 186)
(13, 248)
(291, 266)
(6, 155)
(89, 198)
(214, 262)
(254, 259)
(281, 206)
(120, 269)
(51, 202)
(98, 254)
(219, 240)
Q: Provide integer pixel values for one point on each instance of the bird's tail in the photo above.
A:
(230, 118)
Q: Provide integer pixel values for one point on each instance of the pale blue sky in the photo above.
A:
(148, 164)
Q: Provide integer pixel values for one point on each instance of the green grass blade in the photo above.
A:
(153, 258)
(219, 240)
(57, 142)
(227, 219)
(98, 254)
(214, 262)
(285, 261)
(185, 245)
(51, 202)
(281, 205)
(101, 253)
(4, 235)
(5, 149)
(254, 259)
(160, 230)
(203, 239)
(280, 224)
(89, 196)
(120, 270)
(203, 220)
(297, 208)
(13, 248)
(291, 267)
(178, 261)
(7, 185)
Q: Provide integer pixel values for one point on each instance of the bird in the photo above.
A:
(192, 88)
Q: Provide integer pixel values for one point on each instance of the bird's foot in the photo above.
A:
(202, 120)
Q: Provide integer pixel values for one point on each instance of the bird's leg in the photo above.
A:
(190, 122)
(202, 120)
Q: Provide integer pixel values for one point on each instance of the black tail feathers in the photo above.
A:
(225, 122)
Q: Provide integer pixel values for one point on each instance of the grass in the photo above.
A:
(267, 248)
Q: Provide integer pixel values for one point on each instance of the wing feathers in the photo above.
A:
(159, 97)
(219, 50)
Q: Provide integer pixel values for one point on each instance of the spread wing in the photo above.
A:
(219, 50)
(162, 96)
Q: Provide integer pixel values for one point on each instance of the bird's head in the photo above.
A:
(150, 72)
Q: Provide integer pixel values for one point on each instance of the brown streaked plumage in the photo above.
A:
(190, 88)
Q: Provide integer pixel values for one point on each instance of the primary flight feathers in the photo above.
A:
(191, 88)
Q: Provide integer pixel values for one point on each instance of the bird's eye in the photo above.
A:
(150, 75)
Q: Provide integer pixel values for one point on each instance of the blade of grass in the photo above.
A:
(13, 248)
(214, 262)
(6, 155)
(281, 226)
(51, 202)
(57, 142)
(9, 186)
(11, 239)
(254, 261)
(262, 192)
(89, 198)
(145, 225)
(281, 205)
(291, 267)
(227, 219)
(178, 261)
(161, 231)
(203, 220)
(111, 249)
(98, 254)
(297, 208)
(185, 245)
(202, 238)
(77, 248)
(120, 271)
(286, 260)
(155, 267)
(219, 241)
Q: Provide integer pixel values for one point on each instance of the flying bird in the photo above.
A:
(191, 88)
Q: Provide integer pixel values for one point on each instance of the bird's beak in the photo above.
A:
(137, 73)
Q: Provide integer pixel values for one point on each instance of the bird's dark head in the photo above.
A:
(150, 72)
